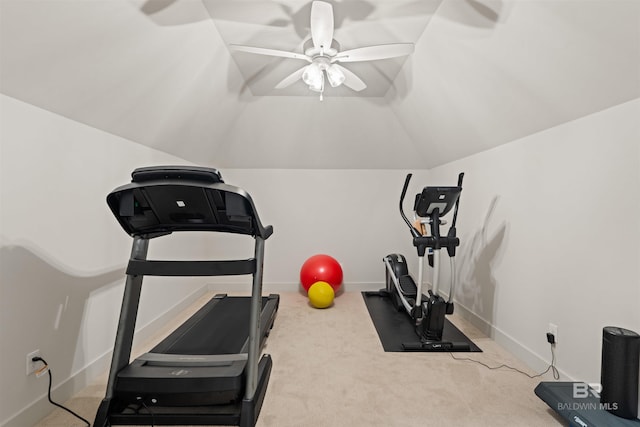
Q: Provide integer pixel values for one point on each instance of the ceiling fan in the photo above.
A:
(324, 59)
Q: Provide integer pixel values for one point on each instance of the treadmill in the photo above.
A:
(210, 370)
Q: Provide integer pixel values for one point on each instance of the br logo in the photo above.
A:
(584, 390)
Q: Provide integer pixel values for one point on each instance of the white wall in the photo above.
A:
(550, 233)
(62, 253)
(351, 215)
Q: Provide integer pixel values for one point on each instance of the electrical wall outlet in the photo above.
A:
(553, 329)
(31, 365)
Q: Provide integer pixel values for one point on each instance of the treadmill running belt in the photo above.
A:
(220, 327)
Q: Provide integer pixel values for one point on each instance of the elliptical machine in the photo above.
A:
(427, 312)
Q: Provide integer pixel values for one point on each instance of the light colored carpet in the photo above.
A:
(330, 370)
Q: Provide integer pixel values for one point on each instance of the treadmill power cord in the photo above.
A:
(552, 367)
(46, 367)
(148, 411)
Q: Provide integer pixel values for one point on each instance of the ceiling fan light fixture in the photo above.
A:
(335, 76)
(319, 85)
(312, 76)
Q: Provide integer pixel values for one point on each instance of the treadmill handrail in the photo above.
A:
(138, 267)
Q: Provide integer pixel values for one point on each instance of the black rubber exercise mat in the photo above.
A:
(395, 328)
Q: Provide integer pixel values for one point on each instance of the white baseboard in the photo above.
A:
(526, 355)
(62, 392)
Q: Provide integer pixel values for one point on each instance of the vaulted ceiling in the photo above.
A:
(160, 73)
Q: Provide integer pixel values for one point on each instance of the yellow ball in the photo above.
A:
(321, 295)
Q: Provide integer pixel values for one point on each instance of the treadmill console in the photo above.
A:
(163, 199)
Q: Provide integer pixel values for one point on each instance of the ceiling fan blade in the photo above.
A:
(291, 78)
(150, 6)
(269, 52)
(351, 80)
(321, 24)
(373, 53)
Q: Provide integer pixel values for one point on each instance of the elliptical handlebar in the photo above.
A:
(451, 249)
(455, 211)
(414, 232)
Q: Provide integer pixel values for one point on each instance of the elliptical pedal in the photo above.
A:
(408, 287)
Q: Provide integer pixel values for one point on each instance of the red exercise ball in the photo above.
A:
(321, 268)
